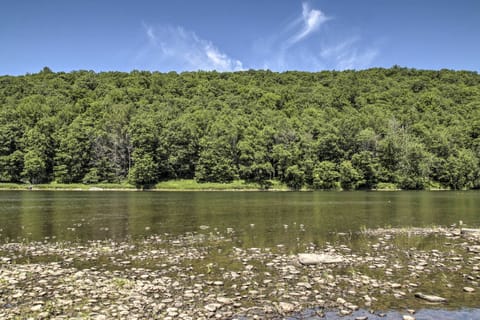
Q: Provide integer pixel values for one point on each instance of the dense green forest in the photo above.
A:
(412, 129)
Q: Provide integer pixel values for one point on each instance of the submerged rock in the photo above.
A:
(314, 258)
(430, 298)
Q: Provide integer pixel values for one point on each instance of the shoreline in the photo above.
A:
(202, 275)
(187, 188)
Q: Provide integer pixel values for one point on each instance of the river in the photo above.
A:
(260, 218)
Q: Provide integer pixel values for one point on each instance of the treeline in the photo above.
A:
(402, 127)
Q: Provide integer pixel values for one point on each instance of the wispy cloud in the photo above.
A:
(311, 21)
(311, 41)
(349, 54)
(324, 48)
(175, 48)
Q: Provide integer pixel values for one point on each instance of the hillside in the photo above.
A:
(407, 128)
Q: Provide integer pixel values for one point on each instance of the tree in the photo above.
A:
(33, 167)
(462, 170)
(368, 168)
(350, 178)
(325, 176)
(143, 174)
(294, 177)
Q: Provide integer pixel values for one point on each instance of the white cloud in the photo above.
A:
(150, 33)
(349, 54)
(174, 48)
(325, 48)
(311, 21)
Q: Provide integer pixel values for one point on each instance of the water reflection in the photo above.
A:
(257, 218)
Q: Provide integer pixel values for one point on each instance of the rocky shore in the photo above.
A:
(206, 275)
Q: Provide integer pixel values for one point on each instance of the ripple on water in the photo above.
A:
(422, 314)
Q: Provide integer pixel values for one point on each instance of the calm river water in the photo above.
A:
(258, 218)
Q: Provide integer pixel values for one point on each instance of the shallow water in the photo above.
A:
(258, 218)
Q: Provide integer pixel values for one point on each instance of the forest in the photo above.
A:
(398, 127)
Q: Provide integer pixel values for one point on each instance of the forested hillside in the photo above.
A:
(328, 130)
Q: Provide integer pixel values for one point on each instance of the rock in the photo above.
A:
(361, 318)
(36, 308)
(469, 231)
(468, 289)
(212, 307)
(407, 317)
(345, 312)
(475, 249)
(224, 300)
(430, 298)
(286, 307)
(314, 258)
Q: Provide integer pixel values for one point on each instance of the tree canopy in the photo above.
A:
(325, 130)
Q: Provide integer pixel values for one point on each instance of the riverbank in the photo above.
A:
(171, 185)
(208, 274)
(179, 185)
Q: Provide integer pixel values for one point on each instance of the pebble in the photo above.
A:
(172, 277)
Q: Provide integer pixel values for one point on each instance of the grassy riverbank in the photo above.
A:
(183, 185)
(171, 185)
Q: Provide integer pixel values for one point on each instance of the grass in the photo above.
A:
(174, 185)
(194, 185)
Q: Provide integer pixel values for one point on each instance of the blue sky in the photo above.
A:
(223, 35)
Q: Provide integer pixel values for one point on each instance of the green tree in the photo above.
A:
(325, 176)
(294, 177)
(33, 167)
(143, 174)
(350, 178)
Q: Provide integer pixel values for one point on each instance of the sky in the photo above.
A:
(228, 35)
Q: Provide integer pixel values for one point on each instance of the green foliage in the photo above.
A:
(33, 167)
(294, 177)
(407, 128)
(350, 178)
(144, 172)
(325, 176)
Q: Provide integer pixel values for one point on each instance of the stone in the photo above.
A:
(407, 317)
(224, 300)
(345, 312)
(212, 307)
(430, 298)
(36, 308)
(475, 248)
(314, 258)
(286, 307)
(468, 289)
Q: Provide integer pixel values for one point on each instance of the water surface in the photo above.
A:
(258, 218)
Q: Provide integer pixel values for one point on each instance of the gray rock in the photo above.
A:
(286, 307)
(212, 307)
(314, 258)
(470, 231)
(430, 298)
